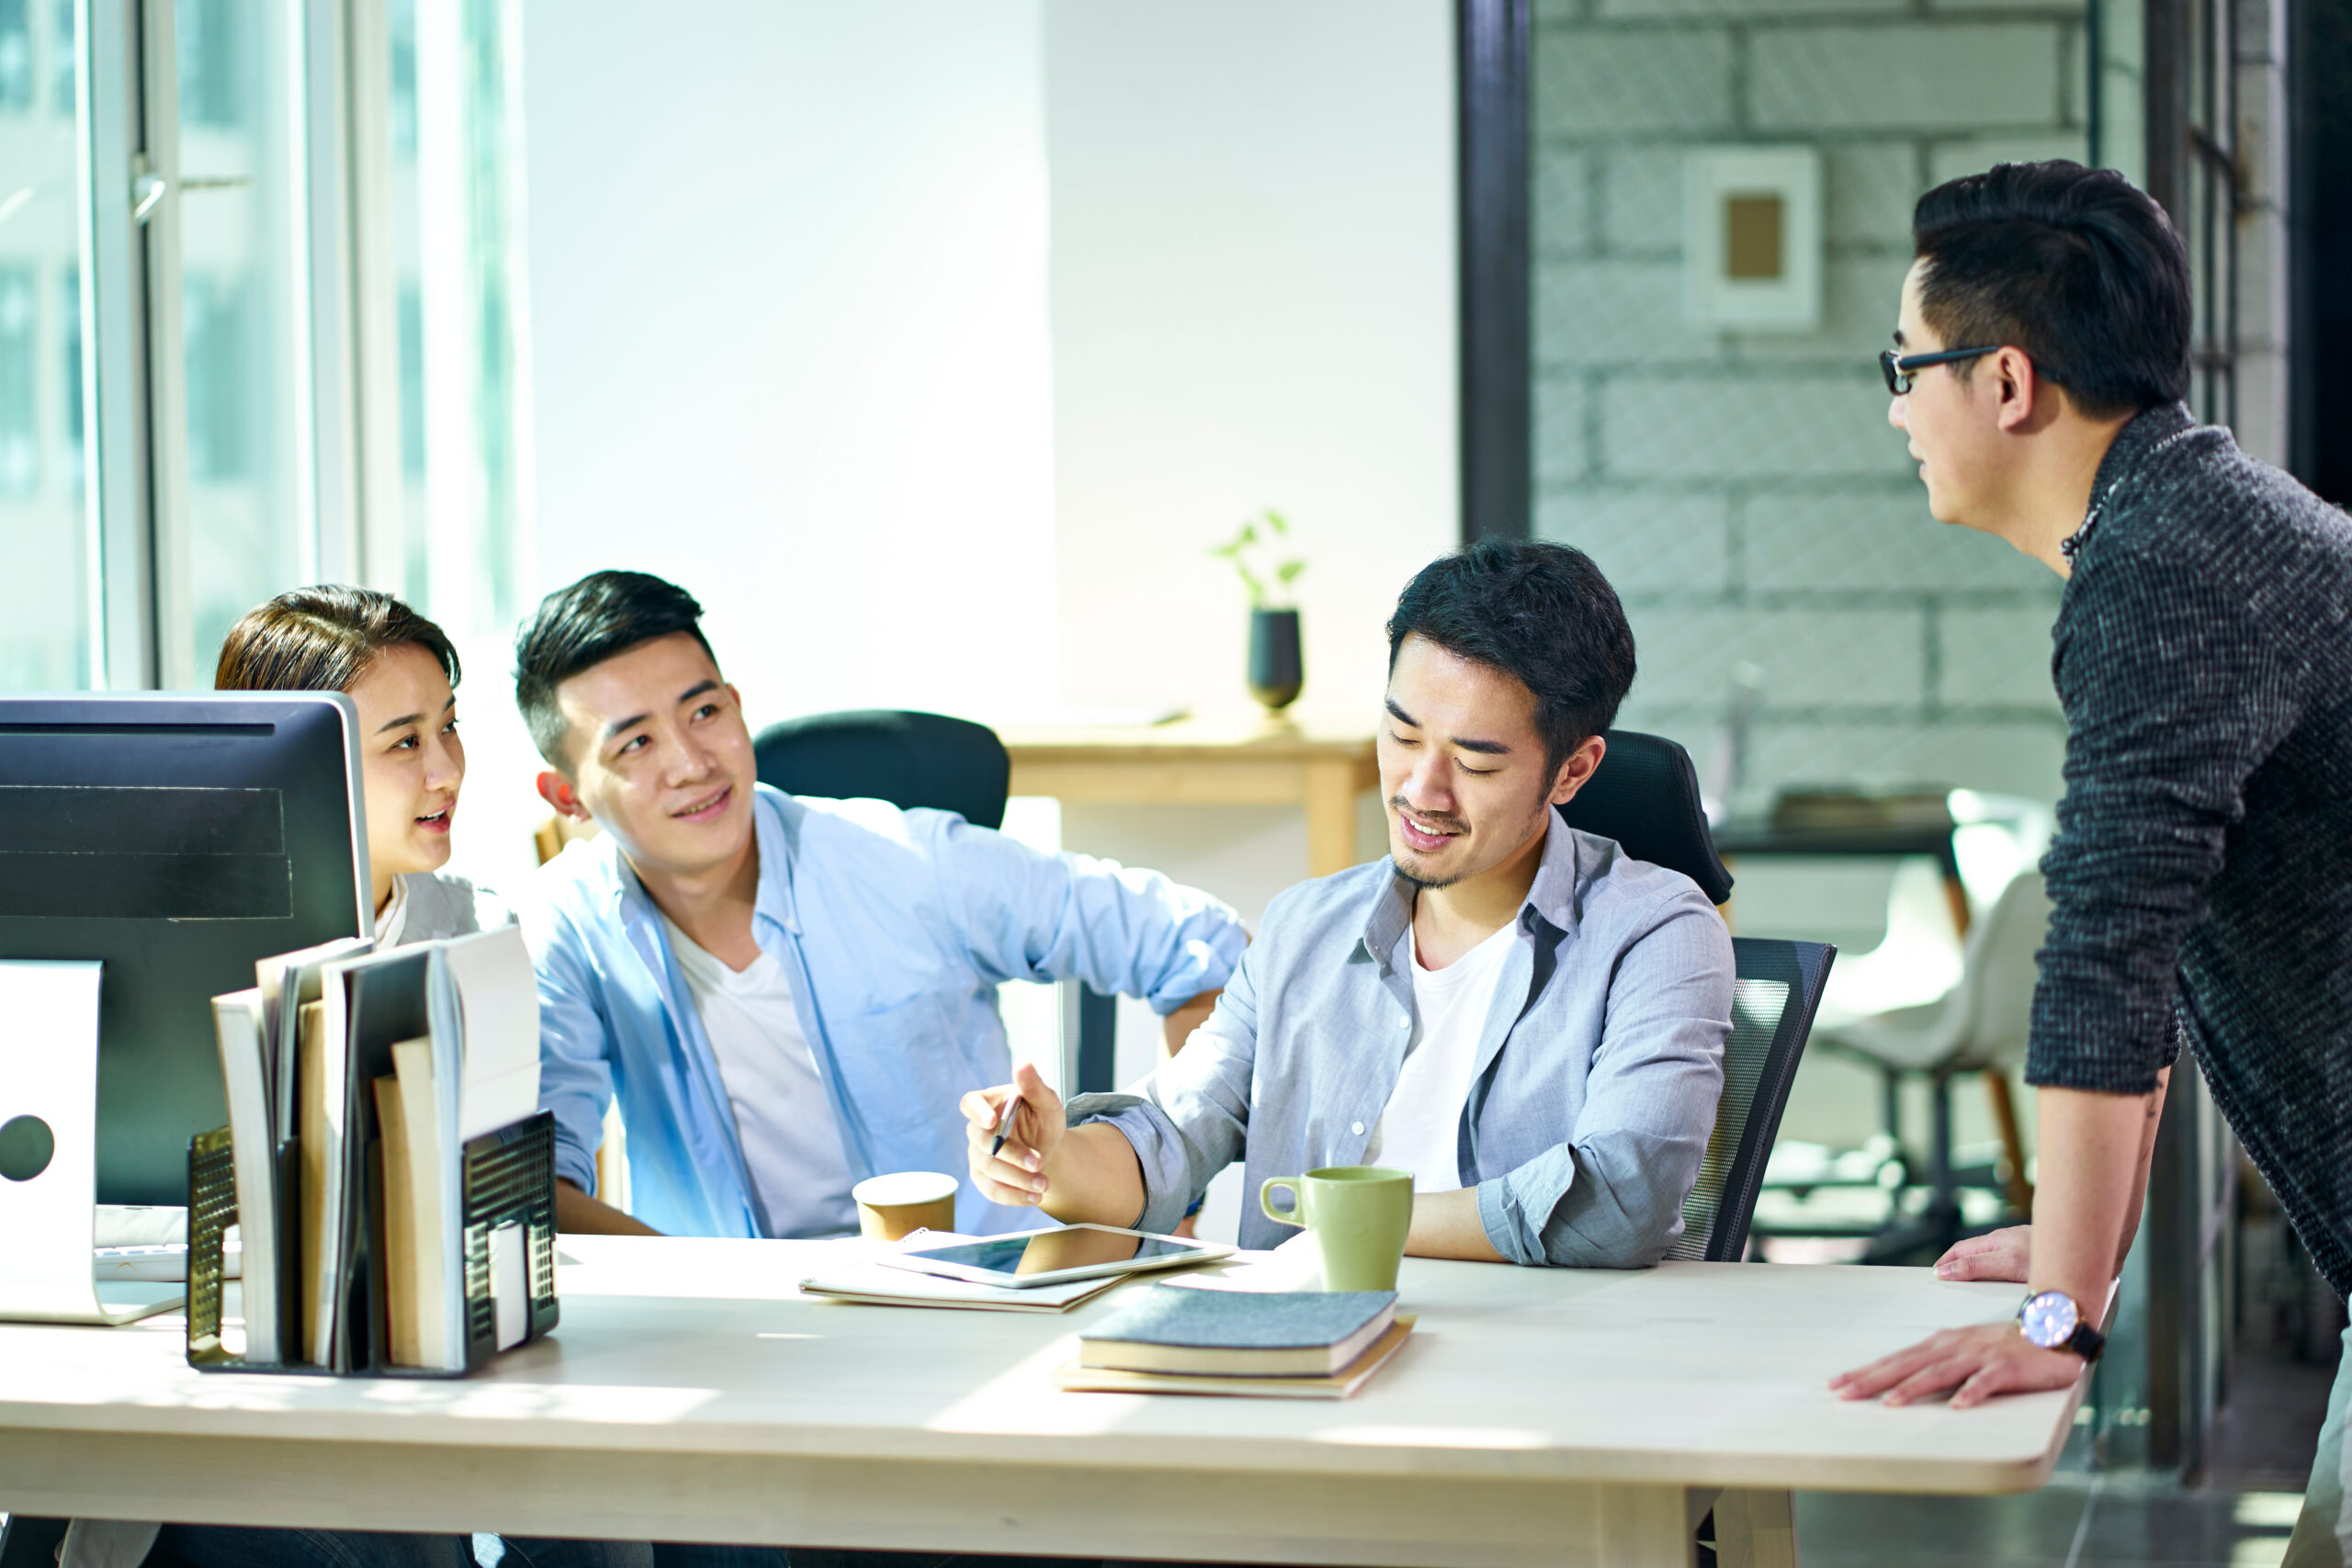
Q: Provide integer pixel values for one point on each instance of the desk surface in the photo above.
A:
(1536, 1416)
(1685, 1373)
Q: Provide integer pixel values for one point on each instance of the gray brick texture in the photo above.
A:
(1742, 490)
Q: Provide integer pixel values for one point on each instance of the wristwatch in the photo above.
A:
(2053, 1321)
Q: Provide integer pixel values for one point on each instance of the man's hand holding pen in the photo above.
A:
(1010, 1131)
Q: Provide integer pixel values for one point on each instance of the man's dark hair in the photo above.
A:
(2078, 268)
(1541, 613)
(575, 628)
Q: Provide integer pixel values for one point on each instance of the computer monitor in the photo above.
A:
(177, 840)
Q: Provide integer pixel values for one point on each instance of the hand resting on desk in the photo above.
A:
(2005, 1254)
(577, 1214)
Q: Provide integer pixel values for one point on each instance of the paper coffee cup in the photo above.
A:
(896, 1205)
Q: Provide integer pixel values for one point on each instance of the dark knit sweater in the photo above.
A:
(2201, 879)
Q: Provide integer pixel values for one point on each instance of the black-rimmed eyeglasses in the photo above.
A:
(1897, 367)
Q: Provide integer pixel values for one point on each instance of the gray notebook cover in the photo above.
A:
(1242, 1320)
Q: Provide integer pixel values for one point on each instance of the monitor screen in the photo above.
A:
(177, 840)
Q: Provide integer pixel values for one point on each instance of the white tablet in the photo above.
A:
(1028, 1259)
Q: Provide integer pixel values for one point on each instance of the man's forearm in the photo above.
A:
(1094, 1177)
(579, 1214)
(1446, 1225)
(2092, 1170)
(2148, 1123)
(1178, 1026)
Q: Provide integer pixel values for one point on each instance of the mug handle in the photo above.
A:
(1290, 1184)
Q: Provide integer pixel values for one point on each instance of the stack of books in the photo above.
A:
(356, 1079)
(1280, 1344)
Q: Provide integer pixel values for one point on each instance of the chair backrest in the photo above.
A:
(1997, 974)
(1776, 988)
(908, 759)
(1644, 794)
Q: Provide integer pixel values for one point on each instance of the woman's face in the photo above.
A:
(411, 762)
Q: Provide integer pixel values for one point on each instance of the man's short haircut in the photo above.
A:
(2078, 268)
(322, 639)
(1541, 613)
(575, 628)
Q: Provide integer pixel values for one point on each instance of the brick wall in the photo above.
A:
(1744, 490)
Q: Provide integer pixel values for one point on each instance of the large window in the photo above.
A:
(454, 240)
(244, 316)
(260, 321)
(45, 597)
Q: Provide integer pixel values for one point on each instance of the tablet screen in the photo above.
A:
(1079, 1247)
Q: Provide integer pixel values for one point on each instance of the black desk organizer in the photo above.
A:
(508, 1179)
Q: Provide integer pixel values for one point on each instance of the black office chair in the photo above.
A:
(28, 1542)
(1776, 988)
(908, 759)
(1644, 794)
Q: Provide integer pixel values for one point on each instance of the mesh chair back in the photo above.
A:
(908, 759)
(1776, 988)
(1644, 794)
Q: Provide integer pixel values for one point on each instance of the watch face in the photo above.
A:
(2049, 1319)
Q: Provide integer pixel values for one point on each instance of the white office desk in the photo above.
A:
(1535, 1416)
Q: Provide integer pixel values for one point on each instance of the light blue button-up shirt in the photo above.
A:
(896, 928)
(1595, 1083)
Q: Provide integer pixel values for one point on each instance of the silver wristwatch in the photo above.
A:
(2053, 1321)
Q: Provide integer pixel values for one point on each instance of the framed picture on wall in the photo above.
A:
(1752, 238)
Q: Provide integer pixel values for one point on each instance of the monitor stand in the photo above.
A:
(49, 1147)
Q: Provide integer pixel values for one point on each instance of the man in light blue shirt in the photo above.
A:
(1528, 1019)
(787, 995)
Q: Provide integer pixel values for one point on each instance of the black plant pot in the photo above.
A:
(1276, 671)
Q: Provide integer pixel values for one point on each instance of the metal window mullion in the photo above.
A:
(332, 360)
(170, 550)
(380, 555)
(118, 535)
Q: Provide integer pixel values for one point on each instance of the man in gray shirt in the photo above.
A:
(1521, 1014)
(2201, 879)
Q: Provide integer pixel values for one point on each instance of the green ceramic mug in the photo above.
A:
(1359, 1214)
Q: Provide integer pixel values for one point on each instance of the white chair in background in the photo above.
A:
(1980, 1026)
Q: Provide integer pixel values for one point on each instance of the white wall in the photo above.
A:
(788, 293)
(932, 344)
(1253, 305)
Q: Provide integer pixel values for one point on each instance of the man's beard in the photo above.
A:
(1396, 804)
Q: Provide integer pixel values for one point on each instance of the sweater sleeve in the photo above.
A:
(2174, 694)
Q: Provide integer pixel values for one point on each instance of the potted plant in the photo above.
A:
(1261, 556)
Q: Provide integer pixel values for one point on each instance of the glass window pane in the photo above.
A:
(456, 183)
(243, 309)
(44, 595)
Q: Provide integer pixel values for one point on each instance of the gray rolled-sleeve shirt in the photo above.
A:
(1594, 1089)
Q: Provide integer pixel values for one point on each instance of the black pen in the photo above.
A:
(1004, 1123)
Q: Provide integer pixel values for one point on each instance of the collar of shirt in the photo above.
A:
(2139, 438)
(775, 823)
(1552, 898)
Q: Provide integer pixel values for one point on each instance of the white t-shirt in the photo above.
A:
(791, 1141)
(1420, 1130)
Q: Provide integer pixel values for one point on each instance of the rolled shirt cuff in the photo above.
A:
(1160, 1154)
(1509, 1229)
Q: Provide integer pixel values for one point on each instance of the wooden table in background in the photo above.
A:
(1209, 762)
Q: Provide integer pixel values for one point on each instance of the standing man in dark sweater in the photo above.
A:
(2201, 879)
